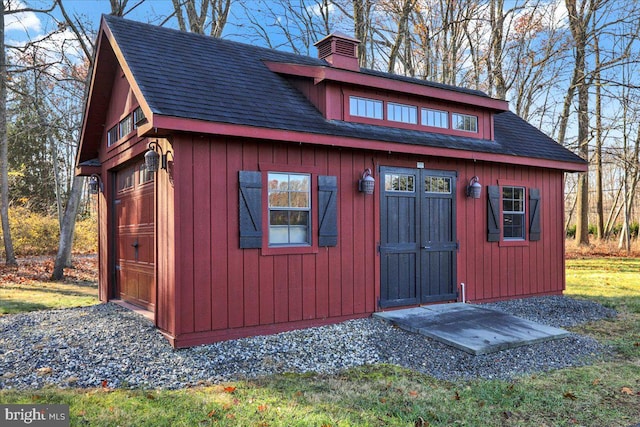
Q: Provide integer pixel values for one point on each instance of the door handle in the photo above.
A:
(135, 248)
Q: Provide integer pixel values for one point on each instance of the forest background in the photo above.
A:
(569, 67)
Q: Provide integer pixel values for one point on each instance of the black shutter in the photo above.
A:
(327, 211)
(493, 213)
(534, 214)
(250, 209)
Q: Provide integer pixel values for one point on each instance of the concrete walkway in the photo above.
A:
(471, 328)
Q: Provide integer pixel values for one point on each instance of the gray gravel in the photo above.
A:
(84, 347)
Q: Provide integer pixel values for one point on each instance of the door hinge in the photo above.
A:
(118, 268)
(458, 245)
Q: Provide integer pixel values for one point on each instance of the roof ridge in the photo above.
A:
(293, 56)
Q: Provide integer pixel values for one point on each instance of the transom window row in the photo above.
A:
(403, 113)
(125, 126)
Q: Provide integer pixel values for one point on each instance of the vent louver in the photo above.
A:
(344, 47)
(340, 51)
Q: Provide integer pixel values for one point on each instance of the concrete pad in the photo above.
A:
(471, 328)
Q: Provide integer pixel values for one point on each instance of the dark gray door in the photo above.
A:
(418, 236)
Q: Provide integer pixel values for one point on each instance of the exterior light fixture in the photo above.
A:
(474, 189)
(367, 183)
(95, 184)
(153, 159)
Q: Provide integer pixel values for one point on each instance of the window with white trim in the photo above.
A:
(402, 113)
(435, 118)
(138, 117)
(289, 209)
(126, 126)
(465, 122)
(513, 213)
(365, 107)
(112, 136)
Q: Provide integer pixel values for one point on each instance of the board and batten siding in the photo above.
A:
(223, 292)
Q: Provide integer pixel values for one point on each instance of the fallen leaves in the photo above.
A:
(45, 370)
(38, 269)
(627, 390)
(570, 395)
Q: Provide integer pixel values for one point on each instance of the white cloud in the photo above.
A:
(26, 22)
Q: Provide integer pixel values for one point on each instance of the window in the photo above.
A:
(399, 182)
(125, 179)
(435, 118)
(145, 174)
(513, 213)
(112, 136)
(437, 184)
(364, 107)
(402, 113)
(138, 117)
(464, 122)
(126, 126)
(289, 209)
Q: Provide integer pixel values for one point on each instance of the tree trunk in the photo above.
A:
(10, 255)
(598, 145)
(578, 26)
(497, 28)
(63, 258)
(403, 23)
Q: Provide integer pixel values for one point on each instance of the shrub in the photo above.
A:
(571, 231)
(85, 239)
(36, 234)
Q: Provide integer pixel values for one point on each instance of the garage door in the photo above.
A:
(135, 225)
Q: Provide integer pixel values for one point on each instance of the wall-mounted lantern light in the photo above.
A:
(95, 184)
(474, 189)
(367, 183)
(153, 159)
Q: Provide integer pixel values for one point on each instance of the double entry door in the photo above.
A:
(418, 244)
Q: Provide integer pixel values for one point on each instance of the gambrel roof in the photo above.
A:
(180, 76)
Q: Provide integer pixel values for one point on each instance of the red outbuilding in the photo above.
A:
(294, 191)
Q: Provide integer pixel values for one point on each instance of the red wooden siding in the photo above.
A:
(222, 291)
(222, 287)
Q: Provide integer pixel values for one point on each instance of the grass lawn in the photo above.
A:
(605, 394)
(27, 287)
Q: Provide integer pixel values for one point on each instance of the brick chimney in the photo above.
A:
(339, 50)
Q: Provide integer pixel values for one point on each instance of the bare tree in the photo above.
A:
(213, 13)
(10, 256)
(579, 19)
(68, 224)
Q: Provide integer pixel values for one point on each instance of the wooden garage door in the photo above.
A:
(135, 250)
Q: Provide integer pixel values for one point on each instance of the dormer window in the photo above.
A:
(435, 118)
(402, 113)
(464, 122)
(365, 107)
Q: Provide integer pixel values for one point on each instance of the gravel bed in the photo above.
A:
(107, 345)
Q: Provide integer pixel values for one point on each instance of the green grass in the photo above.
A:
(603, 394)
(17, 298)
(28, 288)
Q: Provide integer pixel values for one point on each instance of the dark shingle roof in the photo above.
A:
(192, 76)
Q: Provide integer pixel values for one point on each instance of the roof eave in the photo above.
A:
(322, 73)
(165, 125)
(89, 145)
